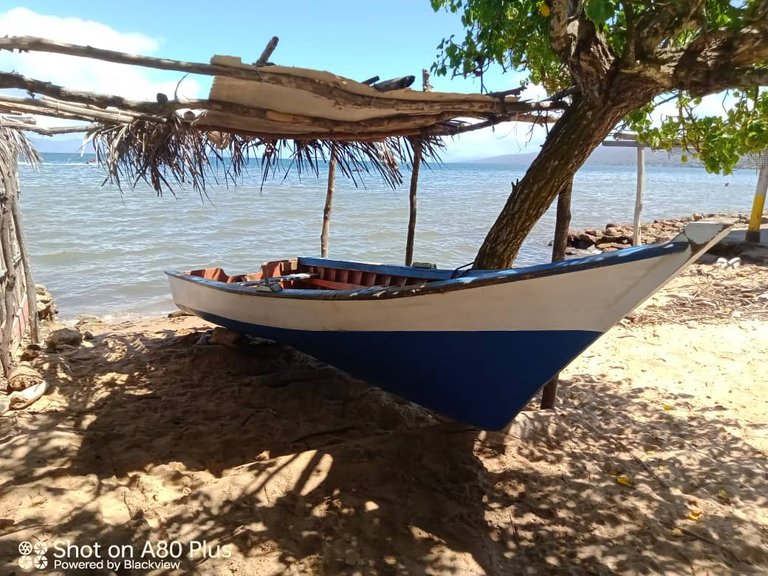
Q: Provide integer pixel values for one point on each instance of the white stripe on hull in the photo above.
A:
(593, 299)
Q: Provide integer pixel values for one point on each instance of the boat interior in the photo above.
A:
(325, 274)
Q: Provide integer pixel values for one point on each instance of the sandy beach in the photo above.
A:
(254, 459)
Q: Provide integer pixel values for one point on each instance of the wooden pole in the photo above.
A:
(559, 244)
(758, 204)
(425, 85)
(10, 280)
(271, 45)
(636, 239)
(328, 202)
(416, 142)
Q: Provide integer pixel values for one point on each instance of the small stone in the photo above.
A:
(30, 352)
(610, 246)
(225, 337)
(63, 337)
(45, 307)
(87, 335)
(178, 314)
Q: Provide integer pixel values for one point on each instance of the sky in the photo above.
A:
(356, 39)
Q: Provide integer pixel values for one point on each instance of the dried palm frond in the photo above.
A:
(173, 152)
(14, 145)
(354, 158)
(165, 153)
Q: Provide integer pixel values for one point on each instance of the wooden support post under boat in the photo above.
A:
(416, 143)
(758, 204)
(559, 244)
(328, 202)
(636, 239)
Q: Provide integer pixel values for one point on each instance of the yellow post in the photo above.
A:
(755, 219)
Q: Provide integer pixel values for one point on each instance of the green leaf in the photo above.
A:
(599, 11)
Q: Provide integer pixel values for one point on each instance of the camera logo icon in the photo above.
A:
(33, 555)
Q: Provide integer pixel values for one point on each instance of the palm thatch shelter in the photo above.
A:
(257, 110)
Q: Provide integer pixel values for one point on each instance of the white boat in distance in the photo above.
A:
(474, 345)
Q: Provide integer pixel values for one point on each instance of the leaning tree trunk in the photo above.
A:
(582, 127)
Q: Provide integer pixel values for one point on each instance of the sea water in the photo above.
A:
(101, 251)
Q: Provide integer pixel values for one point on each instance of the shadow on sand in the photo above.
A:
(282, 465)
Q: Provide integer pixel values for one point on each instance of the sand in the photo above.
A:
(255, 459)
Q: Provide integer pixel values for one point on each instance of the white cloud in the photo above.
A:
(85, 74)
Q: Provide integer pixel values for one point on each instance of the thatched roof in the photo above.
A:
(257, 110)
(14, 145)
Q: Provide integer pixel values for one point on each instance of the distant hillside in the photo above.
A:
(604, 156)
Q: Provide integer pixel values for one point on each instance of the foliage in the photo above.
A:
(494, 36)
(718, 141)
(688, 48)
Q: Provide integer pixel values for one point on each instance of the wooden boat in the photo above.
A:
(474, 345)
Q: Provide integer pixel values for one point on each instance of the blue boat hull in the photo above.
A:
(474, 387)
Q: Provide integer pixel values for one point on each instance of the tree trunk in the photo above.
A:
(583, 126)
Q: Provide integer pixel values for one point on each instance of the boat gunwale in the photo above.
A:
(469, 279)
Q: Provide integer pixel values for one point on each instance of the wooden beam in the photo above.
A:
(61, 94)
(327, 84)
(34, 44)
(58, 129)
(58, 109)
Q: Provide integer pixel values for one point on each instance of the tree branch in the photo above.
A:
(726, 47)
(629, 49)
(665, 22)
(716, 60)
(591, 59)
(729, 79)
